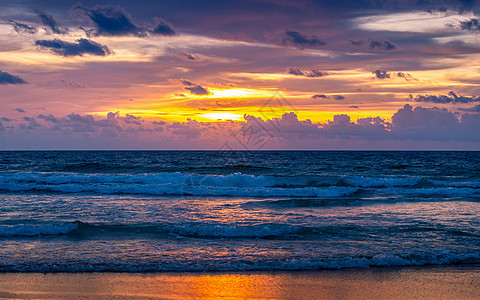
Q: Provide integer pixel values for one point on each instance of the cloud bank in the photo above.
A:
(409, 126)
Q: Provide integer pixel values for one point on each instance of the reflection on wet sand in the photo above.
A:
(423, 282)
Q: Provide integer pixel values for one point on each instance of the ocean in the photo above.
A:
(199, 211)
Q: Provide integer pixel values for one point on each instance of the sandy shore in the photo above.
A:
(451, 282)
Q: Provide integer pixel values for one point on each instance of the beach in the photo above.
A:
(435, 282)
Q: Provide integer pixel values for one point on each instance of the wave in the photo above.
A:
(242, 263)
(28, 230)
(200, 230)
(193, 230)
(175, 184)
(235, 231)
(234, 185)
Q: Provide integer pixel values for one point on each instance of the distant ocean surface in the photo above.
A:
(143, 211)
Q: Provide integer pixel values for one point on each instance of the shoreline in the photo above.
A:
(425, 282)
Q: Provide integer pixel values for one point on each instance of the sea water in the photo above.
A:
(142, 211)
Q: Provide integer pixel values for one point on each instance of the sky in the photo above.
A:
(246, 75)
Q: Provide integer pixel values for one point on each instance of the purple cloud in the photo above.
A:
(198, 90)
(301, 41)
(7, 78)
(444, 99)
(81, 47)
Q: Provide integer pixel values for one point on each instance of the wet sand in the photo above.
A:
(445, 282)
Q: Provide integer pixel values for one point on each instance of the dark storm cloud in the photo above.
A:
(81, 47)
(198, 90)
(381, 74)
(163, 28)
(50, 23)
(112, 20)
(471, 25)
(301, 41)
(444, 99)
(384, 45)
(319, 96)
(311, 73)
(7, 78)
(23, 28)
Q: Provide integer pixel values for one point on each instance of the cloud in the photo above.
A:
(23, 28)
(444, 99)
(409, 126)
(405, 76)
(189, 56)
(426, 123)
(471, 25)
(50, 118)
(384, 45)
(198, 90)
(338, 97)
(50, 23)
(311, 73)
(7, 78)
(31, 123)
(384, 74)
(475, 109)
(295, 71)
(373, 44)
(112, 20)
(81, 47)
(381, 74)
(301, 41)
(131, 119)
(357, 43)
(72, 83)
(186, 82)
(162, 28)
(20, 110)
(319, 96)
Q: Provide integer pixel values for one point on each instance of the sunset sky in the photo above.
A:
(245, 75)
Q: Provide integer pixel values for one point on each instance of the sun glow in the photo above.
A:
(236, 92)
(222, 116)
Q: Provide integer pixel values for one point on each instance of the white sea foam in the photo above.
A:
(240, 263)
